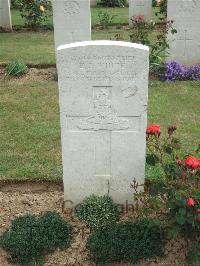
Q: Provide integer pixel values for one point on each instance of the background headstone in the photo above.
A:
(140, 7)
(5, 15)
(103, 88)
(185, 45)
(72, 21)
(93, 3)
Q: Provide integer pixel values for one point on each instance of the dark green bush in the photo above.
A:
(112, 3)
(98, 211)
(14, 4)
(30, 238)
(154, 3)
(128, 242)
(16, 68)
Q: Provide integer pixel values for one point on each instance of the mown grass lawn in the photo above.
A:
(30, 47)
(38, 47)
(120, 16)
(30, 133)
(29, 114)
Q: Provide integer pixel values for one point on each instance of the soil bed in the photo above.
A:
(17, 199)
(113, 26)
(38, 73)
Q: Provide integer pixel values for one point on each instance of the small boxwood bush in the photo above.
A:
(16, 68)
(130, 241)
(98, 211)
(30, 238)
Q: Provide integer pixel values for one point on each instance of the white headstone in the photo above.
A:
(5, 16)
(140, 7)
(72, 21)
(103, 88)
(185, 45)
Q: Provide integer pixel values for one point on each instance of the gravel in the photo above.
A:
(15, 203)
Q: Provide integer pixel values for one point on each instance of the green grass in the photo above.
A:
(38, 47)
(30, 133)
(30, 47)
(29, 115)
(121, 16)
(177, 103)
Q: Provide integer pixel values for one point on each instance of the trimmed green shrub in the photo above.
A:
(30, 238)
(112, 3)
(130, 241)
(16, 68)
(98, 211)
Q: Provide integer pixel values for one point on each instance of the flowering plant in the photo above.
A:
(34, 11)
(176, 197)
(141, 32)
(173, 71)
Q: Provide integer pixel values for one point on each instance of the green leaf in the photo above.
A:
(182, 211)
(173, 232)
(180, 219)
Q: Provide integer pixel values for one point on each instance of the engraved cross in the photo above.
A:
(186, 40)
(103, 123)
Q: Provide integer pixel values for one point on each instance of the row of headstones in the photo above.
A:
(141, 7)
(72, 22)
(72, 19)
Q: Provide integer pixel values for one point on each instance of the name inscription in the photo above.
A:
(98, 68)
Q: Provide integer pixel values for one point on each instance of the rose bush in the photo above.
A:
(141, 32)
(176, 197)
(34, 11)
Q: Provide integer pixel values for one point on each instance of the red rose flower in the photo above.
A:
(192, 162)
(139, 18)
(153, 129)
(190, 202)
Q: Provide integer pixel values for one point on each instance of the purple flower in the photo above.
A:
(193, 73)
(174, 71)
